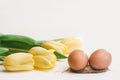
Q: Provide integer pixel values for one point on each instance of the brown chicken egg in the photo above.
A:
(77, 60)
(100, 59)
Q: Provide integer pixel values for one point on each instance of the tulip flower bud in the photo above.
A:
(43, 58)
(19, 62)
(71, 43)
(57, 46)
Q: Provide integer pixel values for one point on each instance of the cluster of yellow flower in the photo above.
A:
(65, 46)
(41, 57)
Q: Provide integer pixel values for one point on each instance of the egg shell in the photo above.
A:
(77, 60)
(100, 59)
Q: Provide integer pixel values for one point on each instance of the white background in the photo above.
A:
(96, 22)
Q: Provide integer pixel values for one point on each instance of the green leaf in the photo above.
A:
(17, 50)
(7, 51)
(39, 43)
(3, 50)
(2, 58)
(60, 56)
(58, 39)
(1, 34)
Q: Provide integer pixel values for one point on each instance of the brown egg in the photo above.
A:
(100, 59)
(77, 60)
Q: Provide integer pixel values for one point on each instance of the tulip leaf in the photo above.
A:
(60, 56)
(2, 58)
(59, 39)
(3, 50)
(39, 43)
(7, 51)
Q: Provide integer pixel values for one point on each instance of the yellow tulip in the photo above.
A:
(72, 43)
(19, 62)
(57, 46)
(40, 51)
(43, 59)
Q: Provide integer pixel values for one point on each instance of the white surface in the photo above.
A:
(59, 73)
(96, 22)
